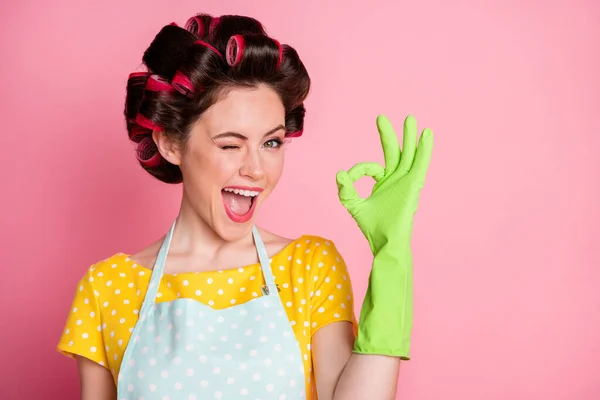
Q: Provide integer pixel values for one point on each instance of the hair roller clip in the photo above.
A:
(174, 24)
(209, 46)
(195, 26)
(213, 24)
(234, 50)
(148, 154)
(280, 53)
(182, 84)
(147, 123)
(157, 84)
(295, 134)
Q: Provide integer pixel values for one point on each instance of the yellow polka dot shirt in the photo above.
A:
(310, 272)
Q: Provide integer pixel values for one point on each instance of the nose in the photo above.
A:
(253, 166)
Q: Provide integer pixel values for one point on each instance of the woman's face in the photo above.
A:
(234, 159)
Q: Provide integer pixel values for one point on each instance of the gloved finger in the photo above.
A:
(346, 190)
(409, 144)
(424, 150)
(389, 143)
(372, 169)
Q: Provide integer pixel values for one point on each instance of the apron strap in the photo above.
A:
(157, 273)
(269, 289)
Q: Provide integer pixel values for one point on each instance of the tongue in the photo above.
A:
(237, 203)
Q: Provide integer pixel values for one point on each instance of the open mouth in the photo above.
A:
(240, 203)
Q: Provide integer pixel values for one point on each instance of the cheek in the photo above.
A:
(274, 167)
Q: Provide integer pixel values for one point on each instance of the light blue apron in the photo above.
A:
(185, 350)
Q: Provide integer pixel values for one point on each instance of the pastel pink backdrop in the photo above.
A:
(506, 240)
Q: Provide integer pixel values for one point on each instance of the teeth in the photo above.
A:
(247, 193)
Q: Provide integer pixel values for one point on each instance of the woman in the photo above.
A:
(219, 308)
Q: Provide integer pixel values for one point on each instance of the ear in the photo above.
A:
(167, 147)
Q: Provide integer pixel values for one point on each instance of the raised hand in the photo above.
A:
(387, 214)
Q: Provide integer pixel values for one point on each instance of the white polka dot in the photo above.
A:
(270, 387)
(216, 370)
(321, 309)
(204, 383)
(152, 387)
(232, 301)
(218, 395)
(198, 292)
(178, 386)
(230, 381)
(120, 342)
(192, 397)
(93, 349)
(230, 281)
(292, 383)
(71, 343)
(190, 372)
(256, 377)
(185, 283)
(177, 360)
(130, 285)
(203, 359)
(244, 392)
(140, 373)
(108, 283)
(209, 281)
(336, 315)
(152, 362)
(220, 291)
(141, 273)
(211, 303)
(114, 312)
(242, 289)
(85, 336)
(122, 320)
(243, 366)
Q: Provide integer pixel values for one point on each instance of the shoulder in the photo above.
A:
(316, 249)
(107, 269)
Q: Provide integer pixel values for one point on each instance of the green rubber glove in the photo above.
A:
(386, 220)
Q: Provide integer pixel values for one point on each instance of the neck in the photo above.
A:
(195, 236)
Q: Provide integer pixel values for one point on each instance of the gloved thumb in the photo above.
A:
(346, 191)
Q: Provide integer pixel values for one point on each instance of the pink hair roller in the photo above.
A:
(280, 53)
(195, 26)
(147, 123)
(137, 74)
(157, 84)
(174, 24)
(138, 132)
(295, 134)
(148, 154)
(182, 84)
(209, 46)
(234, 50)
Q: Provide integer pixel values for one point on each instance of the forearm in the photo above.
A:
(368, 377)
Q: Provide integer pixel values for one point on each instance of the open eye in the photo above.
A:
(273, 143)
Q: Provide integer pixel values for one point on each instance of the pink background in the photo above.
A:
(507, 267)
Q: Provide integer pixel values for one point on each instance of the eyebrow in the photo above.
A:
(240, 136)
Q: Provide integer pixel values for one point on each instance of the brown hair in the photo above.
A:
(197, 54)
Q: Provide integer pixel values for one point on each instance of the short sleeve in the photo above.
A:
(331, 297)
(83, 331)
